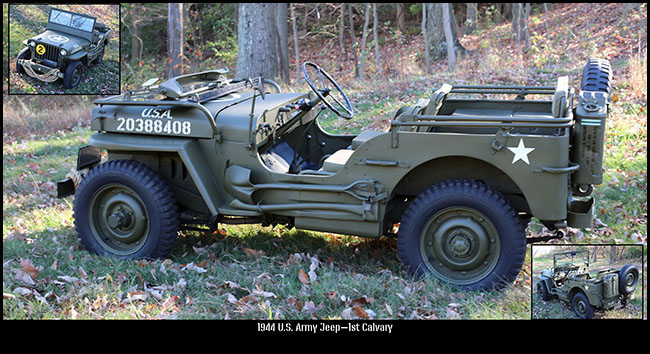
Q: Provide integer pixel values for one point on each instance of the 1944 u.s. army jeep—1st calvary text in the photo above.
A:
(569, 280)
(462, 177)
(70, 42)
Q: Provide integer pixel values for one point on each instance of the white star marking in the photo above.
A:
(521, 152)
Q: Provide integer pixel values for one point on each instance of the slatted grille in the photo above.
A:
(51, 52)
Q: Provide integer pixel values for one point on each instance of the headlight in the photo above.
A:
(32, 43)
(63, 52)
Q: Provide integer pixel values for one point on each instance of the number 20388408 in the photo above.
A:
(156, 126)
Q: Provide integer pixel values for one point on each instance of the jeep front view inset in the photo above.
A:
(71, 42)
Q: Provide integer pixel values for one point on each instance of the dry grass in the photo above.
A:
(41, 115)
(638, 72)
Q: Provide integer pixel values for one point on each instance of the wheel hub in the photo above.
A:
(119, 219)
(460, 245)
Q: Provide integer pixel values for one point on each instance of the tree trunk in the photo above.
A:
(363, 43)
(374, 31)
(343, 49)
(427, 59)
(283, 40)
(436, 34)
(174, 39)
(401, 17)
(446, 23)
(295, 41)
(354, 42)
(526, 30)
(257, 53)
(472, 17)
(136, 42)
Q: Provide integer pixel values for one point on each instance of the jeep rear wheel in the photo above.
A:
(581, 306)
(465, 233)
(124, 209)
(73, 74)
(628, 277)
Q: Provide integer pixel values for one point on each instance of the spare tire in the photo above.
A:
(628, 277)
(597, 76)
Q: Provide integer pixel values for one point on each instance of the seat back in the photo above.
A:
(561, 97)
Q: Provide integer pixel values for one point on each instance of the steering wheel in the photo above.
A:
(326, 94)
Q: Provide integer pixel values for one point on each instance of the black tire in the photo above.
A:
(542, 291)
(581, 306)
(26, 54)
(597, 76)
(100, 58)
(73, 74)
(628, 278)
(124, 209)
(464, 233)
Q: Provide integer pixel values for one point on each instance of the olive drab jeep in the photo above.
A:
(71, 42)
(569, 280)
(460, 176)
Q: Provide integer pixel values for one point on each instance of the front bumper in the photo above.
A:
(40, 71)
(87, 158)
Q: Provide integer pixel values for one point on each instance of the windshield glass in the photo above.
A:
(72, 20)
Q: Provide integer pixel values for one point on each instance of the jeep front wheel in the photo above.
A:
(542, 291)
(73, 74)
(124, 209)
(24, 54)
(465, 233)
(581, 306)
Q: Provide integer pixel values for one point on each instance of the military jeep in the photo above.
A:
(71, 42)
(458, 177)
(569, 280)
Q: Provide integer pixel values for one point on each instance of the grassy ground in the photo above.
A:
(26, 21)
(254, 272)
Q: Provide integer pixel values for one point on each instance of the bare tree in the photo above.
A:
(436, 33)
(343, 49)
(295, 41)
(174, 39)
(374, 31)
(446, 23)
(354, 42)
(426, 40)
(363, 43)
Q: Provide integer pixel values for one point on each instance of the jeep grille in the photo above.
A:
(51, 53)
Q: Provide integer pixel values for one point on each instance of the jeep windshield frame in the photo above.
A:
(72, 23)
(73, 20)
(575, 258)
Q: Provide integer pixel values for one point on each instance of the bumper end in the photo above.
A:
(65, 188)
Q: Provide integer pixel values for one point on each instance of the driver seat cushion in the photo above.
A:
(336, 161)
(561, 97)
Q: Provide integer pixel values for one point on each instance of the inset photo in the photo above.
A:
(64, 49)
(588, 282)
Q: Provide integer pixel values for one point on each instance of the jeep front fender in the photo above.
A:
(187, 149)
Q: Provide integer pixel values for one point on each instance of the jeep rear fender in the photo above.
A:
(187, 149)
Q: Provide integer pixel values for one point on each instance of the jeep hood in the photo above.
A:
(61, 40)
